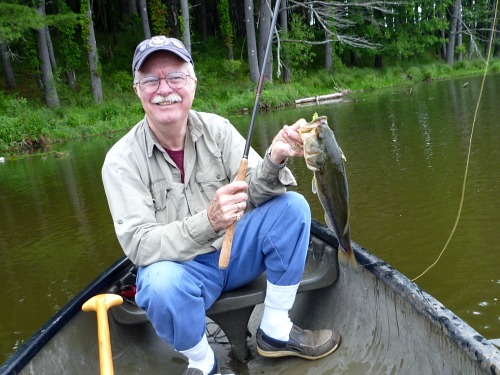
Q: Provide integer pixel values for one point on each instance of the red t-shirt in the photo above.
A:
(178, 158)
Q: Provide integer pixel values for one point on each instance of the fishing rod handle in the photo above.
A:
(225, 253)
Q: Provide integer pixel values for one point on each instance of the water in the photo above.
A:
(406, 155)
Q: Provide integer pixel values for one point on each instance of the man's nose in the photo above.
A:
(163, 85)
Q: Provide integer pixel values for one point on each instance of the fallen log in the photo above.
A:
(321, 99)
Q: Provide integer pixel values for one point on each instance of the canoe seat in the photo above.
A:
(233, 309)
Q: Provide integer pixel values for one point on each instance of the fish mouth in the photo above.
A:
(311, 146)
(307, 128)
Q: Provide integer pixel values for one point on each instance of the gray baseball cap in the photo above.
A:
(159, 43)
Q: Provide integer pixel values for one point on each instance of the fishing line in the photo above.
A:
(469, 151)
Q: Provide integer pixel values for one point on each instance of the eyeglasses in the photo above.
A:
(175, 80)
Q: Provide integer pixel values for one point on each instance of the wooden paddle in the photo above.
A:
(100, 304)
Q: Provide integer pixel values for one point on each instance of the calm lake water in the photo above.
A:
(406, 157)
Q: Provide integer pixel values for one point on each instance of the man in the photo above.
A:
(170, 189)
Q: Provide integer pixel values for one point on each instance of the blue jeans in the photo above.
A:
(274, 237)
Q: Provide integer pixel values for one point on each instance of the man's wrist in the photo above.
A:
(273, 163)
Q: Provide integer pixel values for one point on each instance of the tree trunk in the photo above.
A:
(491, 31)
(48, 84)
(328, 52)
(253, 61)
(264, 30)
(143, 7)
(7, 66)
(50, 48)
(450, 50)
(71, 79)
(443, 45)
(95, 78)
(186, 34)
(203, 20)
(284, 32)
(459, 37)
(132, 6)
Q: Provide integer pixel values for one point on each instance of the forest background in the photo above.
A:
(67, 64)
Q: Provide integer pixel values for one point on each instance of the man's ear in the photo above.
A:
(137, 91)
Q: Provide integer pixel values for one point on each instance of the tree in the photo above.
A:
(48, 84)
(264, 30)
(450, 50)
(491, 31)
(15, 21)
(69, 47)
(95, 76)
(253, 61)
(144, 17)
(50, 48)
(132, 6)
(186, 34)
(284, 32)
(226, 27)
(7, 66)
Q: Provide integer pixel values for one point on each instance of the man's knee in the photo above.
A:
(299, 203)
(158, 283)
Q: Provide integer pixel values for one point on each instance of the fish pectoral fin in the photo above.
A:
(342, 155)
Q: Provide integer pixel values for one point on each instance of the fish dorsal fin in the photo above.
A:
(314, 186)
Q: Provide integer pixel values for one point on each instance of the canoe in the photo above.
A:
(388, 325)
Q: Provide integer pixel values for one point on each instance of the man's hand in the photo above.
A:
(228, 205)
(287, 143)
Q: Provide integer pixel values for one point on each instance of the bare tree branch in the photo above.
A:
(334, 16)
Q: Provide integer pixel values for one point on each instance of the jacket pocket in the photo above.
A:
(211, 178)
(159, 193)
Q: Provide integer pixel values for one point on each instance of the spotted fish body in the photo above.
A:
(325, 158)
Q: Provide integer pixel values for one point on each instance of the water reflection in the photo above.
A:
(405, 162)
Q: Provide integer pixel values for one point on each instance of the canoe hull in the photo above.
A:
(388, 324)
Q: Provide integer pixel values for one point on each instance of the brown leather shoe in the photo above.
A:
(302, 343)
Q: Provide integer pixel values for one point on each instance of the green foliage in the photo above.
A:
(85, 23)
(158, 17)
(225, 23)
(231, 66)
(16, 20)
(300, 55)
(495, 66)
(121, 81)
(67, 25)
(30, 52)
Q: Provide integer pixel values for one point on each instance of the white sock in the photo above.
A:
(279, 300)
(201, 356)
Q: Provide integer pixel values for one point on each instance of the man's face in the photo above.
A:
(166, 106)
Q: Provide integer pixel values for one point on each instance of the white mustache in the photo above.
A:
(169, 99)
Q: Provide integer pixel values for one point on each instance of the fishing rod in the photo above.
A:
(242, 170)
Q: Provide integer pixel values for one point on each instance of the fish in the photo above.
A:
(325, 158)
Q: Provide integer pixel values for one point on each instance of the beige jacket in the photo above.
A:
(156, 217)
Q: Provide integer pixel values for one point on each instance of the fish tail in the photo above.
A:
(347, 257)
